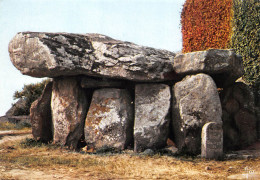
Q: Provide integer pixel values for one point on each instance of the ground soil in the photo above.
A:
(120, 166)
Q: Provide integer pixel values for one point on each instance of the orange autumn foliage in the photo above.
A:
(206, 24)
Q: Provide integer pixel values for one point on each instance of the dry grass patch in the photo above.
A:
(12, 126)
(54, 162)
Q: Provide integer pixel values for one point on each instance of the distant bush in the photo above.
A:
(30, 93)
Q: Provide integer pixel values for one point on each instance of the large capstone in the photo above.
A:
(64, 54)
(195, 102)
(152, 117)
(223, 65)
(40, 115)
(69, 104)
(109, 121)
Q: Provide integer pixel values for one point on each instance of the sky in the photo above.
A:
(153, 23)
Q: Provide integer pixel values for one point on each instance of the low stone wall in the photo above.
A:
(120, 95)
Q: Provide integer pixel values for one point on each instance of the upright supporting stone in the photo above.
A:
(258, 121)
(257, 110)
(241, 116)
(40, 115)
(195, 102)
(69, 104)
(152, 104)
(212, 141)
(109, 121)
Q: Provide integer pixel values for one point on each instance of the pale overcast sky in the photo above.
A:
(154, 23)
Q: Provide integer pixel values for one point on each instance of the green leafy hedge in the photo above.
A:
(246, 37)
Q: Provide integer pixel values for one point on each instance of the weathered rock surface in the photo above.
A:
(152, 105)
(231, 140)
(246, 123)
(212, 141)
(109, 121)
(63, 54)
(244, 95)
(240, 117)
(257, 108)
(40, 115)
(258, 121)
(223, 65)
(195, 102)
(69, 105)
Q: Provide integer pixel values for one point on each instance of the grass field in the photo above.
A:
(28, 159)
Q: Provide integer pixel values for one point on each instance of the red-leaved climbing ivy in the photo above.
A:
(206, 24)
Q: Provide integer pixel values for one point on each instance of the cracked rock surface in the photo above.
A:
(110, 119)
(68, 106)
(40, 115)
(64, 54)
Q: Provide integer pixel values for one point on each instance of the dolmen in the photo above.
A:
(116, 94)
